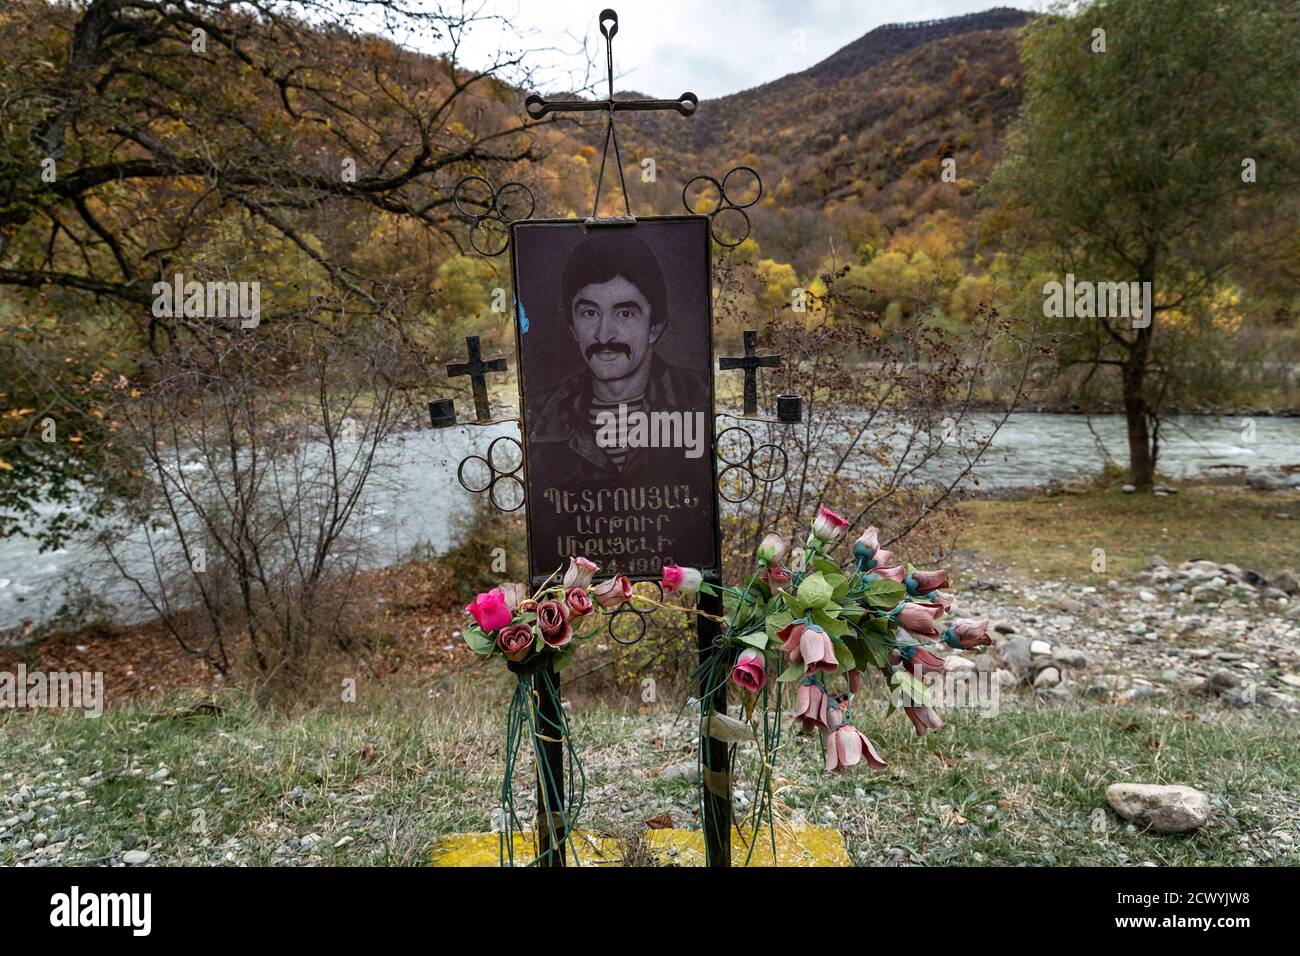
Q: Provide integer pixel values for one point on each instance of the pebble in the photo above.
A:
(1047, 677)
(1069, 657)
(135, 857)
(687, 771)
(1140, 692)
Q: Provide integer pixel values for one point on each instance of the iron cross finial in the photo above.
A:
(750, 362)
(537, 107)
(477, 370)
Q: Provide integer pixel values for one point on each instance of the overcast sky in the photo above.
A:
(666, 47)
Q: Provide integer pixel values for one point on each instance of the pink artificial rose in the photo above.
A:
(869, 541)
(968, 635)
(553, 622)
(617, 590)
(579, 602)
(798, 560)
(896, 573)
(681, 580)
(883, 556)
(516, 641)
(919, 618)
(789, 636)
(922, 661)
(750, 672)
(772, 547)
(846, 747)
(809, 645)
(829, 526)
(943, 601)
(926, 581)
(490, 611)
(514, 594)
(923, 719)
(811, 706)
(777, 577)
(579, 573)
(855, 681)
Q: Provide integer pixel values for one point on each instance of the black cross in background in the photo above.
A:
(751, 362)
(476, 368)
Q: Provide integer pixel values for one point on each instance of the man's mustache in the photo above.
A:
(608, 347)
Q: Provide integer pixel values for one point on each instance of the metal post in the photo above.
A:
(551, 821)
(715, 663)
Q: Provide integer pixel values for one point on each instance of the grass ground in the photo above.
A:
(418, 756)
(1055, 537)
(376, 785)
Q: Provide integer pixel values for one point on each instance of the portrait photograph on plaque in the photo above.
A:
(615, 345)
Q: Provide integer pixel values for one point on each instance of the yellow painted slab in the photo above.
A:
(484, 849)
(810, 846)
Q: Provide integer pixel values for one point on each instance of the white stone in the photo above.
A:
(1165, 809)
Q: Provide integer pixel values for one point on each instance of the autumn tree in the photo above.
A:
(1155, 140)
(288, 144)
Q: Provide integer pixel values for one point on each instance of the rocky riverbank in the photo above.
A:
(1218, 629)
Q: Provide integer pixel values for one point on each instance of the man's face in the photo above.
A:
(612, 323)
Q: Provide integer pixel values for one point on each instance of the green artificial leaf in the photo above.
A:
(754, 639)
(796, 607)
(479, 642)
(844, 657)
(851, 613)
(883, 593)
(709, 589)
(877, 625)
(824, 565)
(840, 583)
(815, 590)
(791, 673)
(564, 656)
(775, 622)
(832, 626)
(874, 649)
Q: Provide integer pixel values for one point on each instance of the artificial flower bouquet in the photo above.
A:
(807, 619)
(810, 621)
(800, 615)
(527, 630)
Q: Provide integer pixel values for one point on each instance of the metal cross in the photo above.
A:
(476, 368)
(751, 362)
(537, 107)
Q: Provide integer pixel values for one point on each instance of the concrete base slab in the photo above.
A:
(810, 846)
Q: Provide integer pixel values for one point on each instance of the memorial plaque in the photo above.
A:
(615, 346)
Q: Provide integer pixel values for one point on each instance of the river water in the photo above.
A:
(419, 502)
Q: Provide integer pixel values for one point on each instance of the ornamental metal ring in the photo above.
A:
(493, 211)
(499, 475)
(638, 619)
(761, 463)
(723, 204)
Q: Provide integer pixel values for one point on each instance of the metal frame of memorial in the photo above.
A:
(714, 656)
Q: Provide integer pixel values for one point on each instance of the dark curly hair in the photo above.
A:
(615, 251)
